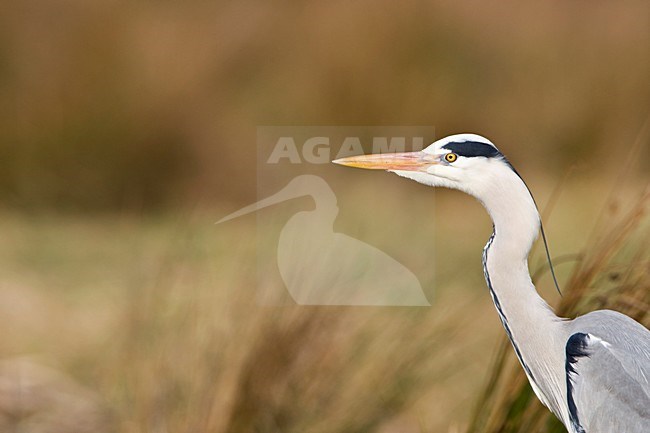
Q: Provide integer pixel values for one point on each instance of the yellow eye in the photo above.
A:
(451, 157)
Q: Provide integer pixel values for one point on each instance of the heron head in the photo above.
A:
(472, 164)
(467, 162)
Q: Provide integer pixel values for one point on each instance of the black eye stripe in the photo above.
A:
(476, 148)
(472, 148)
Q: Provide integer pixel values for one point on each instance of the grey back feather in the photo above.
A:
(610, 384)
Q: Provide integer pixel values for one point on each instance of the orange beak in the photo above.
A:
(408, 161)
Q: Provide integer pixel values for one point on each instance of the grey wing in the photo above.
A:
(607, 373)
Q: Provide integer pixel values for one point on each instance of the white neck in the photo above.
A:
(532, 327)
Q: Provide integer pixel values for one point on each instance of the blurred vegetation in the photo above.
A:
(128, 128)
(113, 105)
(157, 319)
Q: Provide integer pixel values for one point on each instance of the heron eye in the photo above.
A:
(451, 157)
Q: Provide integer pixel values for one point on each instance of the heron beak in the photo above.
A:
(408, 161)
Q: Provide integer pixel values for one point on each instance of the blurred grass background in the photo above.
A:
(128, 128)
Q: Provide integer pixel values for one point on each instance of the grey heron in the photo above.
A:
(592, 372)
